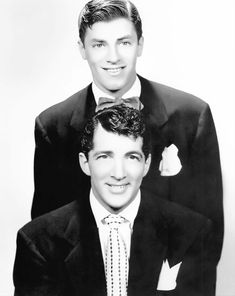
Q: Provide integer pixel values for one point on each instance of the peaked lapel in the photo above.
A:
(162, 230)
(85, 108)
(148, 249)
(154, 109)
(156, 116)
(85, 262)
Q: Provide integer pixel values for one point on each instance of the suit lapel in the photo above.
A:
(85, 108)
(157, 118)
(161, 230)
(154, 109)
(148, 250)
(85, 263)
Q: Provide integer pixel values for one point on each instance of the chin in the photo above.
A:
(115, 86)
(117, 207)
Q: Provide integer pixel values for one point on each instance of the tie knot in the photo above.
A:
(114, 221)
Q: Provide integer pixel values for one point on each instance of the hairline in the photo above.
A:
(130, 136)
(111, 20)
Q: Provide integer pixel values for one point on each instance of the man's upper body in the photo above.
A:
(176, 118)
(185, 164)
(59, 253)
(167, 246)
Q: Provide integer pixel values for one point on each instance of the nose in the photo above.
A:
(118, 170)
(113, 54)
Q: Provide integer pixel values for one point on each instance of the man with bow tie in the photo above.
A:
(185, 165)
(117, 240)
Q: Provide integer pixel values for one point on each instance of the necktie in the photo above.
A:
(116, 260)
(133, 102)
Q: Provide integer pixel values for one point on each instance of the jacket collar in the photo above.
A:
(148, 249)
(85, 263)
(162, 230)
(154, 108)
(85, 108)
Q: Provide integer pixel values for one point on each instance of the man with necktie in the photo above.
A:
(185, 165)
(118, 239)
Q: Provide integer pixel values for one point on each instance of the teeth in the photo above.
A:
(118, 188)
(114, 71)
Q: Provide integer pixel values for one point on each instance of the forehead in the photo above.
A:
(108, 141)
(113, 29)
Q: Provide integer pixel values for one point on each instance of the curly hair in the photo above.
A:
(120, 120)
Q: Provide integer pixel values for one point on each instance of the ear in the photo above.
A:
(147, 165)
(82, 49)
(84, 164)
(140, 46)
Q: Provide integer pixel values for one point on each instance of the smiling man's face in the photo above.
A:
(111, 49)
(117, 166)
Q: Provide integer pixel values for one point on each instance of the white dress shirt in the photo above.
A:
(125, 230)
(134, 91)
(168, 276)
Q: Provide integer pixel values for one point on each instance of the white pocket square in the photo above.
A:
(168, 276)
(170, 164)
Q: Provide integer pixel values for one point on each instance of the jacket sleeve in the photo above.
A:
(207, 179)
(44, 171)
(32, 274)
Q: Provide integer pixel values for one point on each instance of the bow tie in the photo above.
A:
(132, 102)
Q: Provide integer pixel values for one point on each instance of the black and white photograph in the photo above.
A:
(117, 148)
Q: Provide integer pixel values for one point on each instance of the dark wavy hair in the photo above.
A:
(120, 120)
(106, 10)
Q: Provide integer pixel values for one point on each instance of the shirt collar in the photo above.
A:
(129, 213)
(134, 91)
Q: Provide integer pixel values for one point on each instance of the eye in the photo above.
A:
(97, 45)
(102, 156)
(125, 43)
(135, 157)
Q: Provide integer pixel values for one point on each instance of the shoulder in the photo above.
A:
(54, 225)
(63, 111)
(185, 228)
(172, 98)
(176, 216)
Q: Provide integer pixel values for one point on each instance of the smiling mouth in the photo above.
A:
(118, 188)
(114, 71)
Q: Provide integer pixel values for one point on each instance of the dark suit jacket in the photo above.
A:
(175, 117)
(59, 253)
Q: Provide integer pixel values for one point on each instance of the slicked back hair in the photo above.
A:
(106, 10)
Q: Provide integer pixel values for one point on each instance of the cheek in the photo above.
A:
(135, 171)
(94, 58)
(130, 55)
(100, 171)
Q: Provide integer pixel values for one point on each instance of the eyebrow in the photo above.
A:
(108, 152)
(119, 39)
(125, 37)
(97, 40)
